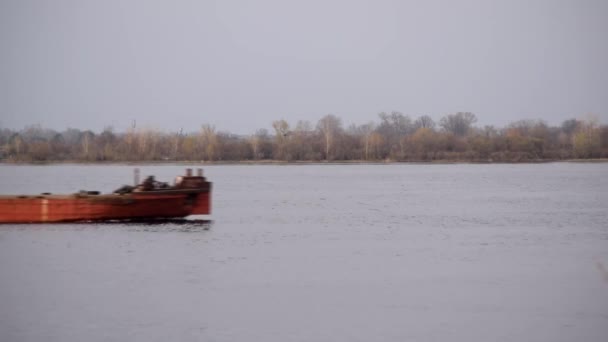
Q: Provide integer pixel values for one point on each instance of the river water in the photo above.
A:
(320, 253)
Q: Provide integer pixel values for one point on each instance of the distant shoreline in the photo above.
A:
(278, 162)
(396, 138)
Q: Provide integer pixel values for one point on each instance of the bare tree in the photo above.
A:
(394, 128)
(569, 126)
(459, 123)
(329, 126)
(281, 129)
(424, 121)
(177, 141)
(106, 141)
(301, 146)
(258, 143)
(367, 131)
(88, 145)
(16, 145)
(255, 142)
(587, 142)
(208, 141)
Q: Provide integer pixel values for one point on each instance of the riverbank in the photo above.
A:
(301, 162)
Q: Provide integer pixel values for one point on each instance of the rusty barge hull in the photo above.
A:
(193, 197)
(101, 207)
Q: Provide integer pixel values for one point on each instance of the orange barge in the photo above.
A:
(148, 200)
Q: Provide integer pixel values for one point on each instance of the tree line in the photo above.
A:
(392, 137)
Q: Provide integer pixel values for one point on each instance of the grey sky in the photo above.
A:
(239, 65)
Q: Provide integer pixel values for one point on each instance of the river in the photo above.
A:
(397, 252)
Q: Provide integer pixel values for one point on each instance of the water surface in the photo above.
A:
(320, 253)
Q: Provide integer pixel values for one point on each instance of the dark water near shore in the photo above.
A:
(320, 253)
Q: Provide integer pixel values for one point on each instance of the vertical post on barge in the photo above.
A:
(136, 176)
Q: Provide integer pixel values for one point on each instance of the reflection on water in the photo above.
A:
(143, 225)
(165, 225)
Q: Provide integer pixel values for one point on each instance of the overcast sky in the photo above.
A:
(239, 65)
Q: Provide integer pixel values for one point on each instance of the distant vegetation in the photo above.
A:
(394, 137)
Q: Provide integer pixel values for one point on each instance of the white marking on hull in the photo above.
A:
(44, 210)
